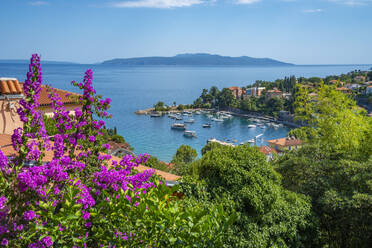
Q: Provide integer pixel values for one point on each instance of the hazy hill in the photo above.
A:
(198, 59)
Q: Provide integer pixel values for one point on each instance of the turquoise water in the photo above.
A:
(133, 88)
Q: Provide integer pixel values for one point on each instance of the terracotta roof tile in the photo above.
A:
(267, 150)
(10, 86)
(285, 142)
(67, 97)
(234, 88)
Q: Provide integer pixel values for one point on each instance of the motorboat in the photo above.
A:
(155, 115)
(197, 112)
(217, 119)
(190, 134)
(189, 121)
(172, 116)
(178, 126)
(179, 118)
(207, 125)
(251, 126)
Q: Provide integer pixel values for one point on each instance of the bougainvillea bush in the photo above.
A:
(80, 196)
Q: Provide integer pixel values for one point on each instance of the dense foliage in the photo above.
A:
(334, 168)
(78, 196)
(241, 179)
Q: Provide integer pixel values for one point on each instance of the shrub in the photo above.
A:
(80, 198)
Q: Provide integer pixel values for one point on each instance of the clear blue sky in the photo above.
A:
(89, 31)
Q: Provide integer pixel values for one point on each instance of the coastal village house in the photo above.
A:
(273, 93)
(237, 92)
(360, 79)
(11, 92)
(285, 144)
(344, 90)
(254, 91)
(268, 151)
(336, 82)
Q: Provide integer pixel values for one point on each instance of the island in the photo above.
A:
(197, 59)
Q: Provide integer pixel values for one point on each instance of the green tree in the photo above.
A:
(159, 106)
(241, 179)
(226, 98)
(185, 154)
(340, 190)
(339, 125)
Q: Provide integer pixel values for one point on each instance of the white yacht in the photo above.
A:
(156, 114)
(217, 119)
(190, 134)
(251, 126)
(189, 121)
(207, 125)
(178, 126)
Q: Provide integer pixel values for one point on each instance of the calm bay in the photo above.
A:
(133, 88)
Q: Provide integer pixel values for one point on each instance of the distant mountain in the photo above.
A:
(198, 59)
(26, 61)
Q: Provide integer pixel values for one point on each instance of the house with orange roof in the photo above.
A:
(236, 91)
(336, 82)
(11, 92)
(344, 90)
(360, 79)
(273, 93)
(268, 151)
(285, 144)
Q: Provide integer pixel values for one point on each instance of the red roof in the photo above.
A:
(234, 88)
(286, 141)
(67, 97)
(10, 86)
(267, 150)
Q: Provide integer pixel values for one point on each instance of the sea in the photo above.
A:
(133, 88)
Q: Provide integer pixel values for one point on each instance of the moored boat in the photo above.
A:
(190, 134)
(178, 126)
(155, 114)
(207, 125)
(189, 121)
(251, 126)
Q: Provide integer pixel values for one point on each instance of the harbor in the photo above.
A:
(198, 127)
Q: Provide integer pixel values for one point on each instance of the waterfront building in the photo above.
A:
(285, 144)
(236, 91)
(254, 91)
(273, 93)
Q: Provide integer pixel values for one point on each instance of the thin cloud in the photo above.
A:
(313, 10)
(160, 4)
(39, 3)
(352, 2)
(247, 1)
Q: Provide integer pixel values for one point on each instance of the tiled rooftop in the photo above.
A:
(286, 142)
(267, 150)
(10, 86)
